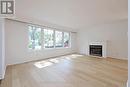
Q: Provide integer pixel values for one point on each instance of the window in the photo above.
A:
(34, 38)
(66, 39)
(58, 39)
(48, 38)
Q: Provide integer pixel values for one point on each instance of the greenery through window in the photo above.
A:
(58, 39)
(66, 39)
(34, 38)
(48, 38)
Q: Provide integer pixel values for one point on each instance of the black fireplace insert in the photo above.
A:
(95, 50)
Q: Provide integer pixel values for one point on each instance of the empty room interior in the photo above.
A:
(65, 43)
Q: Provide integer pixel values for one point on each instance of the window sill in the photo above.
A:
(56, 48)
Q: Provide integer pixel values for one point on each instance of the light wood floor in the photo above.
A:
(68, 71)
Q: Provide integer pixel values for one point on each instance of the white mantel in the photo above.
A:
(104, 46)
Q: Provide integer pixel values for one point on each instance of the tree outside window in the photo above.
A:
(34, 38)
(58, 39)
(48, 38)
(66, 39)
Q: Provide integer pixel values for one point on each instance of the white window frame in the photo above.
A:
(44, 40)
(62, 39)
(29, 40)
(69, 39)
(54, 42)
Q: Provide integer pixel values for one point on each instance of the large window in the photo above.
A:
(66, 39)
(34, 38)
(58, 39)
(48, 38)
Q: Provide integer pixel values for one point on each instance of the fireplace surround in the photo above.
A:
(98, 47)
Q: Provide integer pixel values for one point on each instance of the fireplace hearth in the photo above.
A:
(95, 50)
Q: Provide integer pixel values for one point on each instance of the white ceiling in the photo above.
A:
(76, 14)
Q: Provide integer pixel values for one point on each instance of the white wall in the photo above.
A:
(16, 35)
(114, 33)
(2, 49)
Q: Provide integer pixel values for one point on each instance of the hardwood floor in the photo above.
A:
(68, 71)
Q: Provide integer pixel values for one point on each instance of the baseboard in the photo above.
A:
(106, 57)
(96, 56)
(118, 58)
(41, 59)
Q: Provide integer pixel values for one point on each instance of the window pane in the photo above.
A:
(58, 39)
(34, 38)
(48, 38)
(66, 39)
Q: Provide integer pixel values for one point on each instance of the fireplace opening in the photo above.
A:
(95, 50)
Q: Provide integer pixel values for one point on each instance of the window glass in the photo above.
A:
(48, 38)
(66, 39)
(34, 38)
(58, 39)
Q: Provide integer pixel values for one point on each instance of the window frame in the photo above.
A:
(44, 39)
(62, 38)
(30, 49)
(69, 39)
(54, 39)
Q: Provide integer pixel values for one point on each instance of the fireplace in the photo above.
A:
(95, 50)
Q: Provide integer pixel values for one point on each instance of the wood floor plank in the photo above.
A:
(68, 71)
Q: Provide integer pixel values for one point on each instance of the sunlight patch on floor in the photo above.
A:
(54, 60)
(42, 64)
(50, 62)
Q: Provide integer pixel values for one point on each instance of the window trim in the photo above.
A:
(29, 41)
(54, 42)
(44, 40)
(62, 39)
(69, 40)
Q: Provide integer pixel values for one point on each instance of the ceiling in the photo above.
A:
(75, 14)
